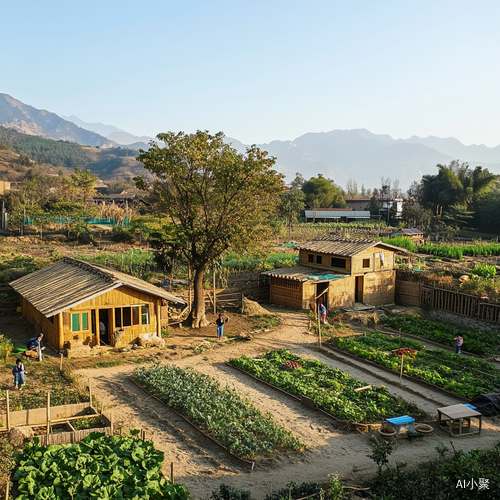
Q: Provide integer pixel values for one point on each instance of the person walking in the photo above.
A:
(35, 344)
(220, 325)
(19, 372)
(458, 344)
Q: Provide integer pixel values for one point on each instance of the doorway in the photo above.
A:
(321, 295)
(358, 288)
(105, 326)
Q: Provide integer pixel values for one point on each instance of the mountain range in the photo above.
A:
(339, 154)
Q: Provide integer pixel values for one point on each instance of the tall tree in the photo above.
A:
(323, 193)
(290, 206)
(215, 199)
(351, 188)
(299, 181)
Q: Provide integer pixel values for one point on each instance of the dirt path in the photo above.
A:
(202, 466)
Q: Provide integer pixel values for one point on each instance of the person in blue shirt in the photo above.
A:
(19, 372)
(35, 344)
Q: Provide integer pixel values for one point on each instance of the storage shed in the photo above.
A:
(73, 302)
(415, 234)
(338, 272)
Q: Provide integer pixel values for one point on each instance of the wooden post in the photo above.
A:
(189, 282)
(158, 318)
(48, 416)
(213, 289)
(60, 363)
(111, 423)
(242, 298)
(402, 363)
(319, 331)
(171, 472)
(60, 329)
(7, 490)
(90, 393)
(8, 410)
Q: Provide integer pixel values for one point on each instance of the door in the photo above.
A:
(358, 288)
(321, 295)
(105, 326)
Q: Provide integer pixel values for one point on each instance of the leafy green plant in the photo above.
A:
(331, 389)
(484, 270)
(381, 451)
(227, 492)
(220, 411)
(6, 347)
(104, 467)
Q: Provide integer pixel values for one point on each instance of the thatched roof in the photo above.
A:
(345, 247)
(70, 282)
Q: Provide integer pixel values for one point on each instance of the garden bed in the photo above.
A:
(466, 377)
(333, 391)
(219, 412)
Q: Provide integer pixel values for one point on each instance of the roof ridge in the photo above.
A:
(87, 266)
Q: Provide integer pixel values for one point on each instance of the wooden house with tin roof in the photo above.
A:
(338, 272)
(75, 303)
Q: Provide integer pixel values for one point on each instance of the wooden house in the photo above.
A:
(74, 303)
(337, 272)
(415, 234)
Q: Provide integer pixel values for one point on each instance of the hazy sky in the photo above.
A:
(260, 70)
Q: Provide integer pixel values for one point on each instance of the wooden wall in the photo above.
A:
(341, 293)
(286, 292)
(375, 264)
(41, 324)
(326, 262)
(379, 287)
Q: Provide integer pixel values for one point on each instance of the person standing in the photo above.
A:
(19, 372)
(458, 344)
(322, 311)
(35, 344)
(220, 325)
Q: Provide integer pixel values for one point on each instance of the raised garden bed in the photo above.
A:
(332, 390)
(457, 374)
(218, 411)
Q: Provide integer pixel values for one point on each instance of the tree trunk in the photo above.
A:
(198, 310)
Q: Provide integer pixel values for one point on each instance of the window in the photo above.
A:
(127, 316)
(135, 316)
(79, 321)
(145, 315)
(75, 322)
(366, 263)
(319, 259)
(310, 258)
(338, 263)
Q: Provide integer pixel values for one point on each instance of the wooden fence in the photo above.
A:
(452, 301)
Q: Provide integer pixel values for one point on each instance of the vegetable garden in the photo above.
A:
(332, 390)
(100, 467)
(219, 411)
(464, 376)
(475, 341)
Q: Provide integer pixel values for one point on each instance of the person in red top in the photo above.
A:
(458, 344)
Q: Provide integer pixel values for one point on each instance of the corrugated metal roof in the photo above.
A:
(325, 214)
(304, 273)
(344, 247)
(70, 282)
(410, 230)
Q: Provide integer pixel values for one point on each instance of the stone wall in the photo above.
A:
(463, 321)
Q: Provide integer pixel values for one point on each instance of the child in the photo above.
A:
(19, 372)
(220, 325)
(458, 344)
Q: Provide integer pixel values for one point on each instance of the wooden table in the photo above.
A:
(450, 416)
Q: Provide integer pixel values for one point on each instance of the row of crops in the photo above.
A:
(100, 467)
(219, 411)
(445, 251)
(475, 341)
(467, 377)
(332, 390)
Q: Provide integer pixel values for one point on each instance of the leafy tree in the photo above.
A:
(351, 188)
(299, 181)
(323, 193)
(84, 183)
(215, 199)
(290, 207)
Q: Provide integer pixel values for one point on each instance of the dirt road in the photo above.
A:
(202, 466)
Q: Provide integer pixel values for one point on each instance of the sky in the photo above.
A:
(260, 70)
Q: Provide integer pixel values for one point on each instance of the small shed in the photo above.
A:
(75, 302)
(416, 235)
(338, 272)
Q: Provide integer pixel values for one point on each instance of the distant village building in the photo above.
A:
(385, 204)
(338, 272)
(67, 301)
(335, 215)
(4, 187)
(123, 200)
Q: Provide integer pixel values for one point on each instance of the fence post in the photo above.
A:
(8, 410)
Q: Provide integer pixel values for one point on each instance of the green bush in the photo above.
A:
(122, 235)
(484, 270)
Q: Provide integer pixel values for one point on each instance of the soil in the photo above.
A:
(202, 466)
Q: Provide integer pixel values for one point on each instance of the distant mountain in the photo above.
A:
(113, 133)
(29, 120)
(362, 155)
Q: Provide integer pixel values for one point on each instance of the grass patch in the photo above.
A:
(265, 322)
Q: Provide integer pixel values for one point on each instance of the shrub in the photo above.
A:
(484, 270)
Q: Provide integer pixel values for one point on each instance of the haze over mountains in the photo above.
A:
(339, 154)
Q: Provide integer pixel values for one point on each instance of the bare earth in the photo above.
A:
(202, 466)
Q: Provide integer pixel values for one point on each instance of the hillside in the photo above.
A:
(118, 163)
(32, 121)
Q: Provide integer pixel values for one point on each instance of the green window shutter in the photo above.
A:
(75, 322)
(85, 321)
